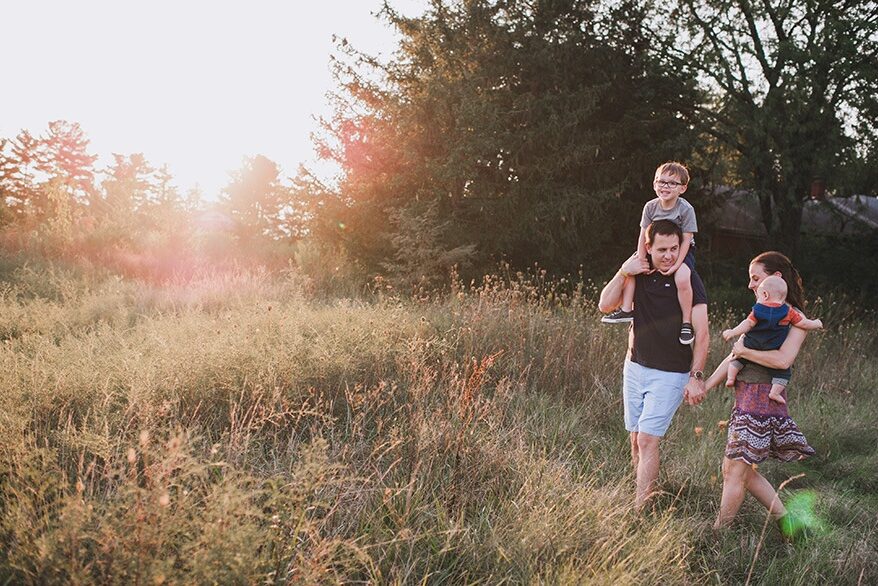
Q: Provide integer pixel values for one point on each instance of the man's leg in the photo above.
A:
(635, 452)
(647, 467)
(663, 393)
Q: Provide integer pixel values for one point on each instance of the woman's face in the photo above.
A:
(757, 273)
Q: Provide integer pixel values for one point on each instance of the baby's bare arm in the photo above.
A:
(742, 328)
(809, 324)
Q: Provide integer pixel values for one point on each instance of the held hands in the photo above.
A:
(694, 392)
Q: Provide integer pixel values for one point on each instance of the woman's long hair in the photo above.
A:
(775, 262)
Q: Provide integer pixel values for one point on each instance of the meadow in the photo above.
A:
(245, 427)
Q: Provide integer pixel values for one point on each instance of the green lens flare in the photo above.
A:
(801, 519)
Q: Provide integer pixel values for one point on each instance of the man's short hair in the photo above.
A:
(663, 228)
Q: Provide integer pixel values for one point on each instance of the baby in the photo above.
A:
(766, 328)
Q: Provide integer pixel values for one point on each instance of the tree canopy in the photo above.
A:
(792, 93)
(521, 128)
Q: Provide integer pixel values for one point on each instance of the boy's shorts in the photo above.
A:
(651, 397)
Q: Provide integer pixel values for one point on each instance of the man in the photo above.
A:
(659, 371)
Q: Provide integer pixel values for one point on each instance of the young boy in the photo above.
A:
(766, 328)
(671, 181)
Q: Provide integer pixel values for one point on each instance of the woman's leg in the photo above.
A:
(760, 488)
(736, 475)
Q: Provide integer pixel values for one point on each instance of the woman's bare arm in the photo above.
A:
(783, 357)
(719, 375)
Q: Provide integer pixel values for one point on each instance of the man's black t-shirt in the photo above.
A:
(657, 321)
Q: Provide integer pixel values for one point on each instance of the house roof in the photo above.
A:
(740, 214)
(857, 214)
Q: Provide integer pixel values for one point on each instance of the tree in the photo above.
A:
(792, 86)
(64, 156)
(42, 171)
(18, 159)
(129, 186)
(254, 198)
(9, 194)
(528, 127)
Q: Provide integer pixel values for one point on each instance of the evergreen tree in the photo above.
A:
(525, 129)
(64, 156)
(9, 194)
(129, 187)
(254, 199)
(18, 159)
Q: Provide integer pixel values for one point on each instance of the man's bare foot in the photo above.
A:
(777, 398)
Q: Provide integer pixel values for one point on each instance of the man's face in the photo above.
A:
(664, 250)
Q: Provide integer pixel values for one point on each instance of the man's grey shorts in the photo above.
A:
(651, 397)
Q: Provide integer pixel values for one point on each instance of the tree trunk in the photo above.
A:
(789, 204)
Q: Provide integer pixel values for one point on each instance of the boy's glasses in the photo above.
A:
(668, 183)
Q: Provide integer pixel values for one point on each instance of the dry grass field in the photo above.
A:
(240, 429)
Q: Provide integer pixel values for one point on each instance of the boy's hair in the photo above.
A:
(674, 168)
(775, 287)
(663, 228)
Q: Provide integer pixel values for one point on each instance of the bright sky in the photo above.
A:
(195, 84)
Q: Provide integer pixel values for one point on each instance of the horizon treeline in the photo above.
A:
(524, 132)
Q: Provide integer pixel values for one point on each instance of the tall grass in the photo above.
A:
(234, 428)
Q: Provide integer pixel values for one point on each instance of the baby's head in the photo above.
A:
(772, 289)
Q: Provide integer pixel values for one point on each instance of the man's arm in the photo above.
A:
(694, 392)
(611, 295)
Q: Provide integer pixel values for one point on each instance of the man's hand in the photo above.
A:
(694, 391)
(728, 335)
(635, 265)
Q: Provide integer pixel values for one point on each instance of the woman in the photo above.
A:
(758, 427)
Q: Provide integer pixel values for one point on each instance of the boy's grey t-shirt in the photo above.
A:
(682, 214)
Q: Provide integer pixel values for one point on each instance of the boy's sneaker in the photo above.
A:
(687, 334)
(618, 317)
